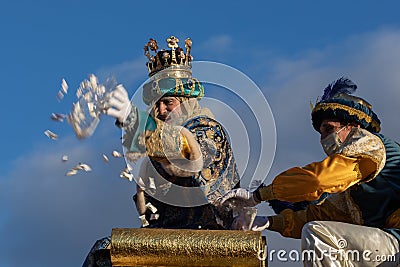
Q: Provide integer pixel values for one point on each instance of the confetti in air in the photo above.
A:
(91, 103)
(125, 173)
(154, 217)
(83, 166)
(57, 117)
(143, 220)
(71, 172)
(151, 207)
(60, 96)
(116, 154)
(105, 158)
(80, 167)
(51, 135)
(64, 86)
(84, 117)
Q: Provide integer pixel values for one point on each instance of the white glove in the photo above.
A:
(260, 223)
(119, 103)
(242, 197)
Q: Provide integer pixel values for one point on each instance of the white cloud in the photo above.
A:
(219, 42)
(214, 48)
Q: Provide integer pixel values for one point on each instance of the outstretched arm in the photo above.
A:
(333, 175)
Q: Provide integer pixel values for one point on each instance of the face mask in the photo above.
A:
(331, 143)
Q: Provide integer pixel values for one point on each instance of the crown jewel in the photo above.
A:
(162, 59)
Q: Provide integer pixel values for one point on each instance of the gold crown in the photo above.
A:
(175, 57)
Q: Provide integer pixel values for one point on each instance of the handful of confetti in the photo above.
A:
(91, 103)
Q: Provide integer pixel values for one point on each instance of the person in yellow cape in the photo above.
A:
(350, 200)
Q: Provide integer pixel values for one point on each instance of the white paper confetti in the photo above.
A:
(143, 220)
(51, 135)
(126, 174)
(154, 217)
(57, 117)
(60, 95)
(151, 207)
(77, 168)
(152, 184)
(105, 158)
(141, 184)
(129, 167)
(116, 154)
(89, 106)
(64, 158)
(71, 172)
(83, 166)
(93, 81)
(64, 86)
(79, 92)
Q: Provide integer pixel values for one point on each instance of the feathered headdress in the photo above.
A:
(342, 85)
(338, 103)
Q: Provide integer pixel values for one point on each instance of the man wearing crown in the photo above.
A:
(189, 161)
(350, 201)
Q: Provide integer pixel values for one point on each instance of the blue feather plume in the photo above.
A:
(342, 85)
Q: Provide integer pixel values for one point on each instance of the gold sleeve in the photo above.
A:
(167, 142)
(333, 175)
(185, 147)
(289, 223)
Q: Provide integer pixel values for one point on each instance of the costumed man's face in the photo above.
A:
(167, 106)
(329, 126)
(333, 133)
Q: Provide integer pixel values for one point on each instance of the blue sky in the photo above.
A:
(290, 49)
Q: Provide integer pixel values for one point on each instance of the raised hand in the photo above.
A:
(119, 104)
